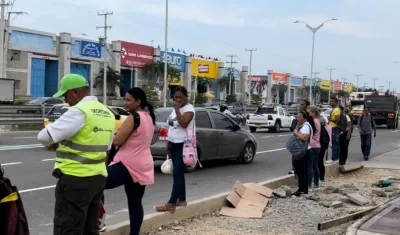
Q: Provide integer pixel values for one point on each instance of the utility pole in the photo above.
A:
(389, 83)
(313, 84)
(3, 6)
(330, 82)
(358, 76)
(344, 81)
(231, 62)
(103, 41)
(374, 79)
(248, 83)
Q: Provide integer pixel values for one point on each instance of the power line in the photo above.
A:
(231, 62)
(103, 41)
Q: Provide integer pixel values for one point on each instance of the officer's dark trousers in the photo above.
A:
(78, 205)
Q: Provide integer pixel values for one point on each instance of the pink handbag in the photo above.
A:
(189, 152)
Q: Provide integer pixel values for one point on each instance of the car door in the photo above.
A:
(287, 118)
(229, 142)
(206, 135)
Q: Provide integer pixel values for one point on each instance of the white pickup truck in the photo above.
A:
(273, 117)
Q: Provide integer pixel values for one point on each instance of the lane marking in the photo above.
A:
(395, 131)
(48, 159)
(10, 163)
(270, 136)
(53, 186)
(16, 147)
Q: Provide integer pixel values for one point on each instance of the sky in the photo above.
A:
(364, 40)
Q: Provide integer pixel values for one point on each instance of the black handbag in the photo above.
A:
(113, 151)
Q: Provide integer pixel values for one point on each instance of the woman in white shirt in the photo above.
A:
(182, 119)
(303, 132)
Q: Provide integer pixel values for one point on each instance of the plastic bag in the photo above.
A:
(167, 167)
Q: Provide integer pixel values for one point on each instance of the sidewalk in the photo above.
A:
(389, 160)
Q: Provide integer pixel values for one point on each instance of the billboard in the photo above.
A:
(325, 85)
(136, 55)
(205, 68)
(279, 77)
(176, 60)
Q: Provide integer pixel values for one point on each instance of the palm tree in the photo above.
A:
(201, 82)
(223, 83)
(114, 78)
(155, 70)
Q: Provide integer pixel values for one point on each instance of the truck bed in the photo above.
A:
(381, 103)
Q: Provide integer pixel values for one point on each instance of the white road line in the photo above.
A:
(395, 131)
(270, 151)
(267, 136)
(36, 189)
(48, 159)
(10, 163)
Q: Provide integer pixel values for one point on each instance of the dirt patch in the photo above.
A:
(299, 215)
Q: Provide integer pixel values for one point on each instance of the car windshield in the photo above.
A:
(162, 114)
(57, 111)
(262, 110)
(357, 107)
(36, 101)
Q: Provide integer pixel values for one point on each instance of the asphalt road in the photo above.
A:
(29, 167)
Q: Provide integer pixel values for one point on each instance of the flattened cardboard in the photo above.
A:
(267, 192)
(249, 194)
(240, 213)
(241, 203)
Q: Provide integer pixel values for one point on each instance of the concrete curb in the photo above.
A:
(201, 207)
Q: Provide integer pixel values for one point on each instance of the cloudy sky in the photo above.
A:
(364, 40)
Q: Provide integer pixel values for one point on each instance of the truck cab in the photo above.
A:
(273, 117)
(384, 109)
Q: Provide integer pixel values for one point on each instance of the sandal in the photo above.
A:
(165, 208)
(181, 203)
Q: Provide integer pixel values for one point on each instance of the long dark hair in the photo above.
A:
(309, 119)
(139, 94)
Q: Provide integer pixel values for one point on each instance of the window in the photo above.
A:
(203, 120)
(280, 112)
(221, 122)
(285, 112)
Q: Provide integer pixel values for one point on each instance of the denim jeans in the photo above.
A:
(179, 186)
(335, 143)
(366, 141)
(312, 166)
(118, 175)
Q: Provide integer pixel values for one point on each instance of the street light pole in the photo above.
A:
(358, 76)
(313, 30)
(389, 83)
(165, 56)
(374, 81)
(248, 84)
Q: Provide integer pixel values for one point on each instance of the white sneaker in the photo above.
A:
(336, 162)
(329, 162)
(103, 229)
(322, 183)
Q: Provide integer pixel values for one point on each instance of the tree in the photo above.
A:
(202, 83)
(114, 78)
(223, 83)
(154, 71)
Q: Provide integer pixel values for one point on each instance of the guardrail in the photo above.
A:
(23, 114)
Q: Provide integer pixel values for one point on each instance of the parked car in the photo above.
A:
(46, 104)
(218, 137)
(60, 109)
(121, 111)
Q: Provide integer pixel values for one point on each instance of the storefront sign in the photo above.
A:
(295, 81)
(279, 77)
(176, 60)
(136, 55)
(337, 86)
(90, 49)
(325, 85)
(205, 68)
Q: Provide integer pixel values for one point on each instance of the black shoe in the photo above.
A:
(297, 193)
(366, 158)
(291, 172)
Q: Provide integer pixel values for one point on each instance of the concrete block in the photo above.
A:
(350, 167)
(336, 204)
(358, 199)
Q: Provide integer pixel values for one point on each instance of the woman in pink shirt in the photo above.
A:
(312, 169)
(133, 164)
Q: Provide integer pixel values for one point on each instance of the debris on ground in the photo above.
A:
(291, 215)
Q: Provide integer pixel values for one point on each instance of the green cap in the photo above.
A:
(69, 82)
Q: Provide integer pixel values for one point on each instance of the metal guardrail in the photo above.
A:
(23, 114)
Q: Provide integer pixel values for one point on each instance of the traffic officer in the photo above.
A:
(81, 137)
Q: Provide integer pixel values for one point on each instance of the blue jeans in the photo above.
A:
(312, 166)
(366, 140)
(178, 187)
(118, 175)
(335, 143)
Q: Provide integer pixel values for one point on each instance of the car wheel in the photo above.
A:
(253, 129)
(248, 153)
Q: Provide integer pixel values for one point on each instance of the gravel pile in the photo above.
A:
(296, 215)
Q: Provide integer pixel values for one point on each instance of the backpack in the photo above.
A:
(114, 150)
(342, 125)
(372, 121)
(351, 120)
(298, 148)
(324, 138)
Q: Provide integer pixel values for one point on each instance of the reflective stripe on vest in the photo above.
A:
(78, 158)
(84, 148)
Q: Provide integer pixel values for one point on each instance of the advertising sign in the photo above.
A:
(295, 81)
(325, 85)
(90, 49)
(204, 68)
(279, 77)
(349, 87)
(136, 55)
(176, 60)
(337, 86)
(235, 74)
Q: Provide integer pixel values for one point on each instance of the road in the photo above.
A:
(29, 167)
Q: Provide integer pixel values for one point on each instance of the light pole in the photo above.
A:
(358, 76)
(389, 83)
(165, 56)
(248, 83)
(375, 81)
(330, 82)
(313, 30)
(313, 83)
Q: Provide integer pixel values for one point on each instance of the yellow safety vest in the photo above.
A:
(84, 154)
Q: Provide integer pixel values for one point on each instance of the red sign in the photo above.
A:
(136, 55)
(279, 77)
(337, 86)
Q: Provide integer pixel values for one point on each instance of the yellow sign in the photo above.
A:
(175, 81)
(205, 68)
(349, 88)
(325, 85)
